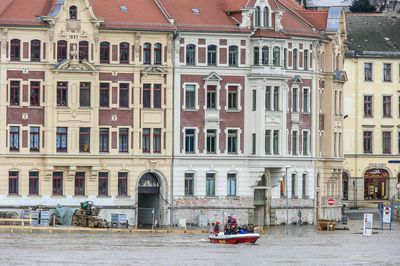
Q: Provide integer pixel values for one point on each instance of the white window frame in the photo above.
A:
(217, 151)
(308, 100)
(297, 143)
(215, 184)
(297, 99)
(239, 97)
(239, 132)
(196, 140)
(194, 183)
(196, 92)
(305, 194)
(308, 142)
(237, 181)
(217, 93)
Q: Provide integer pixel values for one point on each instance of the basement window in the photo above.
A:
(124, 8)
(196, 11)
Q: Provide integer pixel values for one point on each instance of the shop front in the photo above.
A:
(376, 184)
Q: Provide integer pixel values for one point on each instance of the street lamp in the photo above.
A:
(287, 198)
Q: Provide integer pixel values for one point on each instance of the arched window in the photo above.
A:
(256, 56)
(147, 53)
(61, 50)
(276, 56)
(257, 17)
(212, 55)
(233, 55)
(190, 54)
(266, 17)
(35, 50)
(149, 183)
(305, 61)
(83, 50)
(15, 53)
(104, 52)
(157, 54)
(295, 59)
(265, 55)
(73, 12)
(124, 53)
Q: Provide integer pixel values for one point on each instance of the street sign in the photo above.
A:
(331, 202)
(387, 215)
(368, 224)
(398, 186)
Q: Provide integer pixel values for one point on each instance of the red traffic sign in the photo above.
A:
(331, 202)
(387, 210)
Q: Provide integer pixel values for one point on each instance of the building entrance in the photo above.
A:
(376, 184)
(149, 200)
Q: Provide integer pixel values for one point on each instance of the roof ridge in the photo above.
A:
(7, 7)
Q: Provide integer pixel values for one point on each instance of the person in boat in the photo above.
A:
(228, 226)
(234, 226)
(216, 228)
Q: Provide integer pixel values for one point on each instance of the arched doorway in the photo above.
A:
(148, 199)
(259, 201)
(376, 184)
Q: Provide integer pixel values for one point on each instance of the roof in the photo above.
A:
(373, 35)
(328, 3)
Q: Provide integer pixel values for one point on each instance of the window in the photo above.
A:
(294, 99)
(84, 139)
(124, 53)
(367, 141)
(33, 183)
(57, 183)
(387, 72)
(157, 140)
(73, 14)
(62, 93)
(306, 100)
(387, 106)
(104, 94)
(189, 140)
(146, 140)
(157, 96)
(189, 184)
(265, 55)
(305, 61)
(104, 52)
(80, 183)
(212, 55)
(231, 185)
(266, 17)
(285, 58)
(14, 138)
(146, 95)
(256, 56)
(294, 177)
(123, 140)
(14, 93)
(305, 142)
(253, 144)
(268, 98)
(368, 105)
(233, 56)
(368, 71)
(157, 54)
(147, 53)
(294, 143)
(276, 60)
(61, 139)
(190, 96)
(267, 141)
(254, 107)
(211, 97)
(386, 142)
(123, 95)
(232, 141)
(232, 97)
(122, 183)
(83, 50)
(190, 54)
(61, 50)
(103, 183)
(210, 184)
(276, 98)
(34, 139)
(257, 17)
(84, 94)
(211, 141)
(295, 61)
(103, 140)
(35, 50)
(304, 186)
(15, 50)
(275, 142)
(35, 93)
(13, 183)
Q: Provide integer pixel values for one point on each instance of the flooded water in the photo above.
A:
(303, 245)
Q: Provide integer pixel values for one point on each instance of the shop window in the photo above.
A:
(376, 183)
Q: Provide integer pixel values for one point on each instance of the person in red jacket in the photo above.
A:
(216, 228)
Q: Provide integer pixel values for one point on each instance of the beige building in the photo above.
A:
(372, 143)
(86, 104)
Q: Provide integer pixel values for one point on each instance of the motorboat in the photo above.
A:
(234, 239)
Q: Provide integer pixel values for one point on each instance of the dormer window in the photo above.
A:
(73, 12)
(266, 17)
(257, 17)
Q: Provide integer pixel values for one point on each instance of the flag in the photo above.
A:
(282, 188)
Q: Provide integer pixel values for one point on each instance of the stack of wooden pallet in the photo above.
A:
(89, 218)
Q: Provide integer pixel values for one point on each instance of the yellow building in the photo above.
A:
(86, 107)
(372, 101)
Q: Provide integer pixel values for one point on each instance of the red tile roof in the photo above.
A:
(270, 34)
